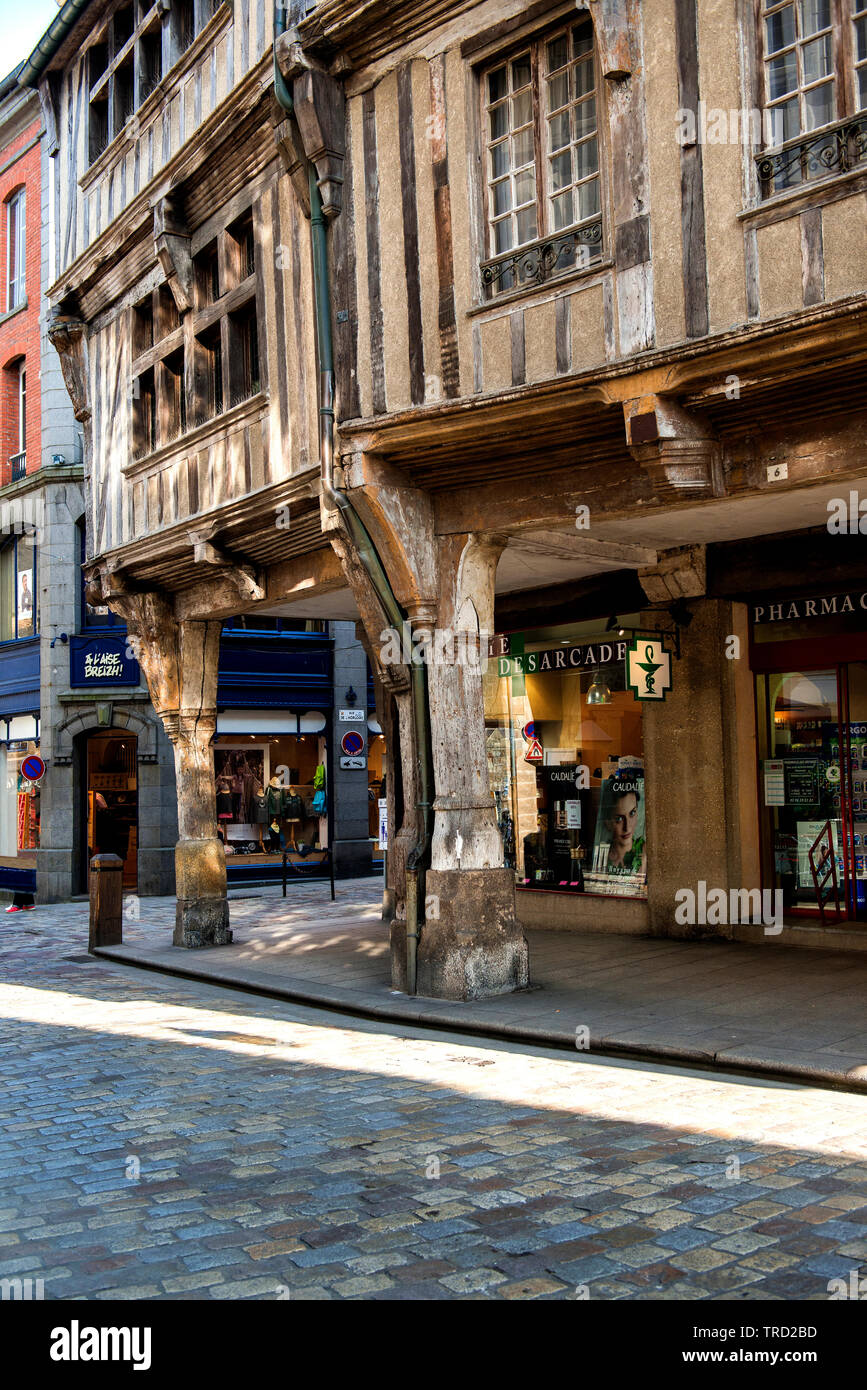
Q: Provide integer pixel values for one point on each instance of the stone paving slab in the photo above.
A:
(780, 1011)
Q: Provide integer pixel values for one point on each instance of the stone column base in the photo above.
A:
(471, 945)
(202, 916)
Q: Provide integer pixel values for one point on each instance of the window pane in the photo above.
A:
(585, 118)
(818, 60)
(584, 78)
(586, 159)
(780, 29)
(525, 187)
(521, 72)
(499, 160)
(522, 110)
(502, 236)
(588, 199)
(819, 105)
(499, 121)
(860, 39)
(501, 197)
(497, 85)
(558, 131)
(582, 39)
(862, 89)
(561, 209)
(522, 148)
(526, 221)
(26, 588)
(7, 593)
(782, 75)
(558, 53)
(815, 15)
(785, 121)
(558, 91)
(561, 170)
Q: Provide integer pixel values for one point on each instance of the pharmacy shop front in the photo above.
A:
(809, 656)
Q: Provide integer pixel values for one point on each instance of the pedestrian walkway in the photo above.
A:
(779, 1011)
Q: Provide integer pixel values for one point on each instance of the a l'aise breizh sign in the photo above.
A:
(101, 660)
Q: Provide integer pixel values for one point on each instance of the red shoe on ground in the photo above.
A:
(13, 908)
(28, 907)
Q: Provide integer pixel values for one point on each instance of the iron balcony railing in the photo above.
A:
(19, 466)
(834, 149)
(543, 260)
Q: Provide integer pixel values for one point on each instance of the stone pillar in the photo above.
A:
(470, 945)
(180, 661)
(701, 742)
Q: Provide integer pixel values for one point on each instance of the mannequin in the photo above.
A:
(224, 805)
(259, 811)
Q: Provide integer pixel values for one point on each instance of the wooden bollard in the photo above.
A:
(106, 901)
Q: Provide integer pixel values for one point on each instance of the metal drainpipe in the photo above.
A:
(365, 548)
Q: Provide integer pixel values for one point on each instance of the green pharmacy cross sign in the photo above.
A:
(648, 669)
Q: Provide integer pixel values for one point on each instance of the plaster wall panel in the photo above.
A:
(664, 159)
(540, 341)
(393, 288)
(497, 353)
(780, 285)
(844, 240)
(720, 86)
(588, 332)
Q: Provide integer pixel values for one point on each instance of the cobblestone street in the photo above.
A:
(164, 1139)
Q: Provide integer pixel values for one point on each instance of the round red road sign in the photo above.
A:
(32, 768)
(352, 743)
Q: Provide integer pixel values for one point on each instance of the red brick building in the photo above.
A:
(20, 293)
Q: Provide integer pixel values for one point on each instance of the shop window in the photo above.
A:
(19, 805)
(566, 759)
(19, 617)
(541, 152)
(266, 795)
(814, 89)
(15, 248)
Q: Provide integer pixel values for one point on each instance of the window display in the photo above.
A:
(270, 795)
(19, 810)
(565, 755)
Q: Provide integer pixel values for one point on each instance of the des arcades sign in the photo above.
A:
(97, 661)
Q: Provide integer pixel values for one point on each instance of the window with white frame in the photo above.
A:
(15, 249)
(814, 85)
(542, 166)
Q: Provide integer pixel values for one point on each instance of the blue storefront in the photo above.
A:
(19, 738)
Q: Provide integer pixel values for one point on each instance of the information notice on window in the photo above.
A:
(775, 782)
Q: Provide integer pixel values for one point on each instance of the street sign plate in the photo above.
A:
(353, 762)
(352, 716)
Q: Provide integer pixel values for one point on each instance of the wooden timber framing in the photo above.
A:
(695, 291)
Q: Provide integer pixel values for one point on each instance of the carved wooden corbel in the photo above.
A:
(319, 112)
(287, 138)
(610, 21)
(69, 337)
(172, 246)
(247, 580)
(679, 451)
